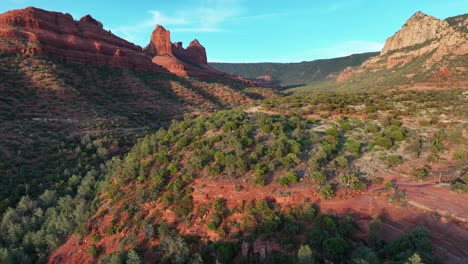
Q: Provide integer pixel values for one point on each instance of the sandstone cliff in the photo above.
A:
(418, 52)
(34, 31)
(191, 61)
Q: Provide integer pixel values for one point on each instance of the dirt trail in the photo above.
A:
(450, 238)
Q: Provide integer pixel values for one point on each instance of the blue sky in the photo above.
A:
(257, 30)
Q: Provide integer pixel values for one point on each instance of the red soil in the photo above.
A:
(450, 237)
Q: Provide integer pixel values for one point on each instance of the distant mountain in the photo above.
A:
(294, 74)
(426, 51)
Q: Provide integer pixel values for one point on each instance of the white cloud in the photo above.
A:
(205, 16)
(159, 18)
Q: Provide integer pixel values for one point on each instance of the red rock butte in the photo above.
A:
(34, 31)
(191, 61)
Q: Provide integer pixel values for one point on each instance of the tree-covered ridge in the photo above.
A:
(61, 122)
(256, 148)
(294, 74)
(304, 145)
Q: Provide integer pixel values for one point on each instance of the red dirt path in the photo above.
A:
(450, 237)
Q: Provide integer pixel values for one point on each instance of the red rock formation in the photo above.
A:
(160, 43)
(195, 53)
(431, 40)
(35, 31)
(178, 60)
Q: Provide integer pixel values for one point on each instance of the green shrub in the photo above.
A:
(377, 180)
(212, 226)
(415, 146)
(422, 173)
(332, 131)
(319, 177)
(93, 251)
(432, 158)
(394, 160)
(371, 128)
(353, 147)
(258, 180)
(352, 182)
(389, 185)
(460, 155)
(395, 132)
(304, 255)
(383, 141)
(437, 141)
(326, 192)
(288, 179)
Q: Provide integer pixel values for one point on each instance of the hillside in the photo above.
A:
(426, 53)
(294, 74)
(256, 185)
(66, 112)
(113, 153)
(48, 107)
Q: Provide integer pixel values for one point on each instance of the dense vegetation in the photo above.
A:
(63, 167)
(61, 123)
(294, 74)
(256, 148)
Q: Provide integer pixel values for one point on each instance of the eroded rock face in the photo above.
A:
(196, 53)
(160, 43)
(34, 31)
(191, 61)
(419, 29)
(430, 41)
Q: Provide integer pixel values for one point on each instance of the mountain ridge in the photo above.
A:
(425, 50)
(293, 74)
(34, 31)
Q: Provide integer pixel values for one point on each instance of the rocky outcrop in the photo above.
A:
(195, 53)
(419, 29)
(424, 39)
(160, 43)
(34, 31)
(191, 61)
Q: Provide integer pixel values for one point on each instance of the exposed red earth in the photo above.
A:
(427, 203)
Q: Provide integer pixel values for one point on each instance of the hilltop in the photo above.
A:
(426, 52)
